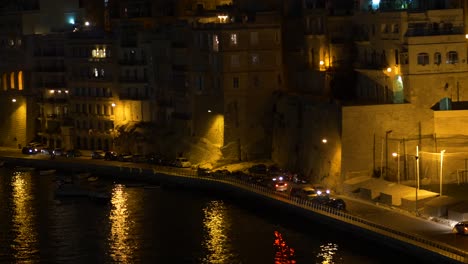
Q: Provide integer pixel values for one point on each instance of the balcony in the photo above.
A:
(50, 69)
(134, 97)
(420, 32)
(133, 80)
(52, 85)
(132, 62)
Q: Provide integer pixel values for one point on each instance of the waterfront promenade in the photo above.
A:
(362, 212)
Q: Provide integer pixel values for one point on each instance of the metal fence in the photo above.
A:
(412, 239)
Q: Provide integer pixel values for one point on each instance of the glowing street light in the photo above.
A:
(441, 166)
(13, 100)
(324, 141)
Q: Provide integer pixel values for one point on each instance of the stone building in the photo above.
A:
(412, 81)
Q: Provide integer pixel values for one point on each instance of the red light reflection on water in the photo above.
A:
(284, 254)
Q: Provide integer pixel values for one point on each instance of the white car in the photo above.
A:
(182, 163)
(281, 186)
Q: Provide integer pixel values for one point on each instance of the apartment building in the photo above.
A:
(92, 76)
(412, 73)
(46, 57)
(237, 71)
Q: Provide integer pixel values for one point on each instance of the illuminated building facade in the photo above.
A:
(236, 72)
(48, 77)
(92, 79)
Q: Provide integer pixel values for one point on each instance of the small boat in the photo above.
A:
(24, 169)
(47, 172)
(71, 190)
(92, 178)
(83, 175)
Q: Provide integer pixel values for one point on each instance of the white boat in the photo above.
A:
(47, 172)
(92, 178)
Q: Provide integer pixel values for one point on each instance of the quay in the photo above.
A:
(430, 241)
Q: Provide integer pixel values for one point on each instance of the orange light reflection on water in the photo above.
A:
(284, 254)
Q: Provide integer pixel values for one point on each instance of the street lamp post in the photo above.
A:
(417, 179)
(441, 166)
(386, 152)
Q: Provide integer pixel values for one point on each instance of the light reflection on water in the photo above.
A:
(25, 241)
(327, 254)
(121, 250)
(217, 226)
(283, 254)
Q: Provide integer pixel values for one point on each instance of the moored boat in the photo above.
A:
(47, 172)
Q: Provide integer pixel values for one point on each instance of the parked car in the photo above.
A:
(259, 168)
(310, 193)
(336, 203)
(73, 153)
(138, 158)
(125, 157)
(98, 154)
(111, 155)
(58, 152)
(461, 228)
(29, 150)
(182, 162)
(203, 172)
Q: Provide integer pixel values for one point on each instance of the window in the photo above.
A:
(235, 60)
(233, 39)
(215, 43)
(452, 57)
(235, 82)
(396, 28)
(254, 59)
(423, 59)
(384, 28)
(256, 81)
(437, 58)
(253, 38)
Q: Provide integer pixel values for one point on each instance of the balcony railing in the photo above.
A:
(419, 32)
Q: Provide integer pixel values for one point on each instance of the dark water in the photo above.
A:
(149, 224)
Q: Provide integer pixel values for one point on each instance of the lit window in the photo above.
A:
(437, 58)
(452, 57)
(233, 39)
(96, 72)
(423, 59)
(99, 53)
(215, 43)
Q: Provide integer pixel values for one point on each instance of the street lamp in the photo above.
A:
(441, 166)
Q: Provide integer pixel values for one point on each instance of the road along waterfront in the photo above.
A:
(420, 245)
